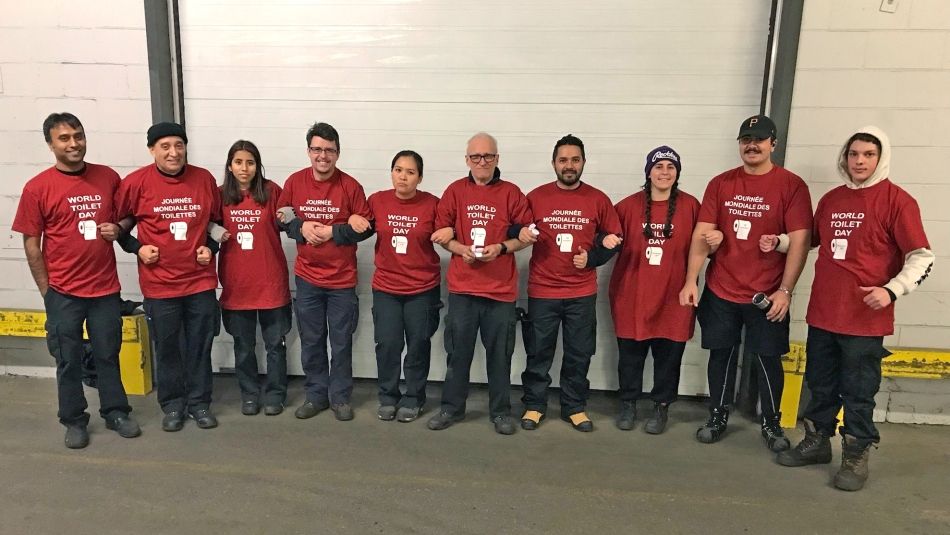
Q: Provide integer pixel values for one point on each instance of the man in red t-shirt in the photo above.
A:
(756, 199)
(172, 202)
(324, 198)
(572, 218)
(66, 217)
(871, 249)
(478, 218)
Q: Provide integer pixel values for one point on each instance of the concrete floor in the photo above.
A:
(283, 475)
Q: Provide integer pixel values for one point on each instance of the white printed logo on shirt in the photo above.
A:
(179, 229)
(839, 248)
(246, 239)
(88, 229)
(401, 244)
(741, 228)
(654, 255)
(566, 242)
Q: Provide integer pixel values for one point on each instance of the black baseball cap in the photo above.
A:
(757, 126)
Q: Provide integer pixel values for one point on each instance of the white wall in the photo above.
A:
(858, 66)
(56, 56)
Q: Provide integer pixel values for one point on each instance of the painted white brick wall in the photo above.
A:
(90, 61)
(857, 66)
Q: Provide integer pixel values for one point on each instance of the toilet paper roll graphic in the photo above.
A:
(88, 229)
(565, 242)
(742, 228)
(839, 248)
(179, 229)
(654, 255)
(478, 236)
(400, 244)
(246, 239)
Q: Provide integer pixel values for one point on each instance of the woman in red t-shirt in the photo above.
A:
(657, 225)
(254, 278)
(406, 287)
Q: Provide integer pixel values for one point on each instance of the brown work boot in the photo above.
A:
(854, 464)
(815, 448)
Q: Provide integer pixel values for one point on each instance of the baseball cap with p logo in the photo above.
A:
(757, 126)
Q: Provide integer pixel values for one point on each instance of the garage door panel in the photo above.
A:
(624, 76)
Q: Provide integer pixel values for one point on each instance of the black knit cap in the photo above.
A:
(160, 130)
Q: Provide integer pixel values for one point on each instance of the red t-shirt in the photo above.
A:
(406, 261)
(172, 213)
(482, 214)
(566, 221)
(862, 237)
(65, 210)
(330, 202)
(648, 275)
(251, 265)
(744, 207)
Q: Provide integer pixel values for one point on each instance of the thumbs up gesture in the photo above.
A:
(580, 259)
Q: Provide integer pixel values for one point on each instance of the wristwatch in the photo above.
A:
(786, 290)
(504, 249)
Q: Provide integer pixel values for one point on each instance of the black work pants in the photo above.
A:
(843, 370)
(242, 326)
(65, 315)
(182, 330)
(469, 315)
(578, 317)
(667, 358)
(404, 321)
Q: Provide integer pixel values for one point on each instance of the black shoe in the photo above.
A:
(772, 433)
(309, 409)
(583, 425)
(173, 421)
(443, 420)
(76, 437)
(504, 425)
(530, 420)
(273, 409)
(204, 418)
(125, 426)
(715, 426)
(657, 423)
(386, 413)
(250, 407)
(342, 411)
(408, 414)
(628, 416)
(815, 448)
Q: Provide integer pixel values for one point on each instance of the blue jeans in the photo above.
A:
(325, 313)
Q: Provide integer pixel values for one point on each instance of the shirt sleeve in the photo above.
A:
(358, 204)
(285, 194)
(908, 227)
(445, 215)
(519, 210)
(709, 210)
(609, 219)
(125, 199)
(29, 217)
(798, 214)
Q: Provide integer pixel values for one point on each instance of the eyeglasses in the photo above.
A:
(748, 140)
(321, 150)
(475, 158)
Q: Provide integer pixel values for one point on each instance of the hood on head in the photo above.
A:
(883, 163)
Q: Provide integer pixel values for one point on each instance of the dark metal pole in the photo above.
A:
(163, 42)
